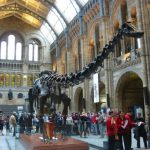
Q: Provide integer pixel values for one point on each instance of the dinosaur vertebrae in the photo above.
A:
(53, 78)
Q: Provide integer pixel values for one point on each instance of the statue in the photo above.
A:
(10, 94)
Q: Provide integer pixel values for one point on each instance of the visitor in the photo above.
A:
(140, 130)
(69, 125)
(111, 129)
(7, 125)
(148, 129)
(122, 130)
(75, 118)
(129, 126)
(83, 124)
(88, 123)
(29, 123)
(22, 123)
(1, 123)
(94, 123)
(13, 123)
(101, 124)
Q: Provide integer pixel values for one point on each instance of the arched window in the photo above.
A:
(11, 47)
(3, 50)
(18, 51)
(33, 51)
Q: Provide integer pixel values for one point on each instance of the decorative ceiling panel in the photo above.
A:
(33, 12)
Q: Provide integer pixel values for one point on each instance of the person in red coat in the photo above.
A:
(111, 130)
(122, 130)
(129, 125)
(94, 121)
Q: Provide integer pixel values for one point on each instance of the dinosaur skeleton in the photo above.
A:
(49, 83)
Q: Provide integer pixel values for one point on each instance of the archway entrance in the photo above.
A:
(130, 92)
(79, 100)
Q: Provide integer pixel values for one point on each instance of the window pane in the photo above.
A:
(36, 52)
(75, 6)
(30, 52)
(3, 50)
(83, 2)
(48, 33)
(67, 9)
(11, 47)
(56, 21)
(18, 51)
(44, 30)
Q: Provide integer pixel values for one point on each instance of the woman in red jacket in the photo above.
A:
(121, 129)
(111, 129)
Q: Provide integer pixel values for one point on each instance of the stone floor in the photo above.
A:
(11, 143)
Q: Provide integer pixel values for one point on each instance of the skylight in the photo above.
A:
(59, 16)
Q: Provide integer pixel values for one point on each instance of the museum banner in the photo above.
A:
(96, 88)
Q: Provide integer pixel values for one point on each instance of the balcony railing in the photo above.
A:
(128, 59)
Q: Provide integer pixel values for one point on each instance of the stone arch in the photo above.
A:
(78, 100)
(43, 50)
(36, 36)
(17, 34)
(129, 92)
(19, 37)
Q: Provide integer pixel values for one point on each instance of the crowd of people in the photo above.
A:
(119, 126)
(116, 126)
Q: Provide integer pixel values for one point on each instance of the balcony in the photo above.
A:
(126, 60)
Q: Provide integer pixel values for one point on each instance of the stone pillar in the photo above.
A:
(82, 39)
(107, 82)
(141, 22)
(69, 61)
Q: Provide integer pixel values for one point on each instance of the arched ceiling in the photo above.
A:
(50, 16)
